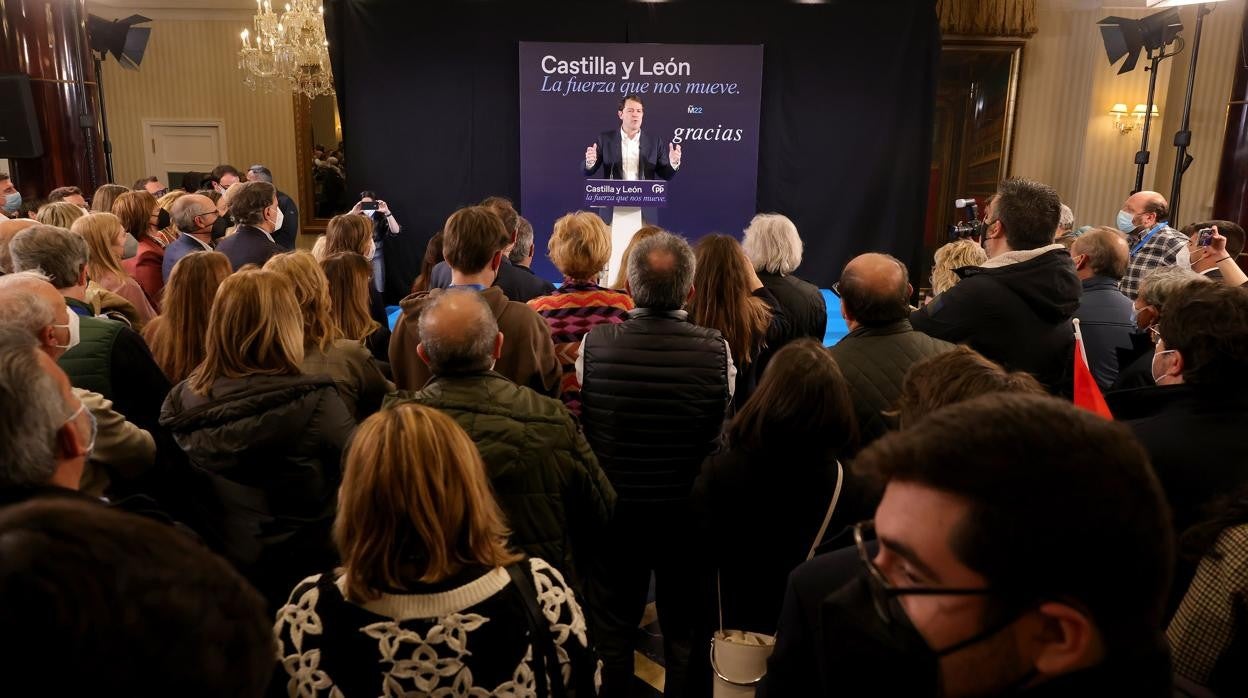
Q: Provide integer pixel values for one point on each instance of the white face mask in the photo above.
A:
(1153, 367)
(75, 331)
(1183, 259)
(278, 219)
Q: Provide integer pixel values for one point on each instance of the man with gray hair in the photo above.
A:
(654, 391)
(545, 477)
(102, 356)
(775, 249)
(521, 257)
(284, 235)
(1156, 289)
(194, 215)
(29, 303)
(46, 433)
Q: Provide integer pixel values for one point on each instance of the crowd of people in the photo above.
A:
(214, 451)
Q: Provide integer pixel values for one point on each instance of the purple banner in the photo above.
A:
(703, 98)
(643, 193)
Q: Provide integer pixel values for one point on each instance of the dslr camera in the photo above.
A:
(970, 227)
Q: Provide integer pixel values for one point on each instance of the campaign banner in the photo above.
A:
(703, 98)
(642, 193)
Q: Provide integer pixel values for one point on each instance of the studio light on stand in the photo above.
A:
(1125, 37)
(126, 43)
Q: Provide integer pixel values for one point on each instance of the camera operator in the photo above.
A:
(384, 225)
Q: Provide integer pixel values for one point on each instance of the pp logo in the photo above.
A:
(656, 188)
(693, 109)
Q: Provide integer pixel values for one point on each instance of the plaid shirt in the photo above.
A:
(1161, 250)
(1210, 618)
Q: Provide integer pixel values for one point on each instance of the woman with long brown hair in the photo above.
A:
(269, 438)
(349, 275)
(139, 214)
(325, 349)
(433, 255)
(426, 570)
(176, 338)
(105, 241)
(346, 232)
(728, 296)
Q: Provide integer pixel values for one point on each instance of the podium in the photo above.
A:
(624, 203)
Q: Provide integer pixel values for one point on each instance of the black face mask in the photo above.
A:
(219, 227)
(162, 219)
(863, 655)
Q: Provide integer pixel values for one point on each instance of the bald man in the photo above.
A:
(8, 229)
(1152, 243)
(1105, 314)
(547, 480)
(194, 215)
(881, 345)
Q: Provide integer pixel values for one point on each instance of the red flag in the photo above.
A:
(1087, 392)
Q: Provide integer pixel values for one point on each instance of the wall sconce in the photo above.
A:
(1126, 122)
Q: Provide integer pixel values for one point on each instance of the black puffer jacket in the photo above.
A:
(546, 479)
(802, 303)
(654, 395)
(271, 446)
(1016, 310)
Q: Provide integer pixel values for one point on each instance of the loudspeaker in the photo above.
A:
(19, 126)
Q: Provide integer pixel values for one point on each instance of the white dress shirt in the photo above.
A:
(630, 154)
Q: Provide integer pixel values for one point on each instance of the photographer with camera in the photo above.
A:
(384, 225)
(1016, 308)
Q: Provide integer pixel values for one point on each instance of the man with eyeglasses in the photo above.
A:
(1135, 365)
(194, 215)
(1000, 561)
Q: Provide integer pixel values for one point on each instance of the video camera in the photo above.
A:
(971, 228)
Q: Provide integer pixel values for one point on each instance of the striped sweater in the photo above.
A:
(571, 312)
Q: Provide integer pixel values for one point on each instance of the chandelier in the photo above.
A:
(288, 51)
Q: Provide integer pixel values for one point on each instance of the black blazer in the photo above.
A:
(653, 156)
(248, 245)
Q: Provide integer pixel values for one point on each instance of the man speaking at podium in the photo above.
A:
(627, 153)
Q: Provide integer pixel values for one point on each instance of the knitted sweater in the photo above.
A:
(467, 640)
(571, 312)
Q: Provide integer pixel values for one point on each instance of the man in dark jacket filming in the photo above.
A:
(1016, 308)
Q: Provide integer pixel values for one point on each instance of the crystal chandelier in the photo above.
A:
(288, 51)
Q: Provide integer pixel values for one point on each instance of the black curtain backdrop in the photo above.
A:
(428, 94)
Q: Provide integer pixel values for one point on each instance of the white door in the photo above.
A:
(175, 148)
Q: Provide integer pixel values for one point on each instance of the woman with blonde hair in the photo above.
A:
(621, 277)
(268, 438)
(176, 338)
(427, 575)
(349, 275)
(105, 241)
(102, 202)
(140, 215)
(62, 214)
(579, 247)
(346, 232)
(728, 296)
(775, 249)
(325, 350)
(951, 256)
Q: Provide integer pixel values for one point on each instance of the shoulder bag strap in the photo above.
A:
(827, 519)
(544, 655)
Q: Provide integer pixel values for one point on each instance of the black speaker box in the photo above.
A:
(19, 126)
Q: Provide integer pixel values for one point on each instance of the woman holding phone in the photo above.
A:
(384, 225)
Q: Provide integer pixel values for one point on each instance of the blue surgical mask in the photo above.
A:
(13, 201)
(1124, 222)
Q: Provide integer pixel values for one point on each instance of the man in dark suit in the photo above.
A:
(194, 215)
(258, 213)
(288, 230)
(627, 153)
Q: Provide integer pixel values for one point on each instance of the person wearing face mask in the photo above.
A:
(1156, 288)
(195, 215)
(1105, 315)
(101, 355)
(287, 230)
(141, 216)
(1152, 242)
(29, 302)
(254, 206)
(1204, 259)
(1016, 308)
(10, 197)
(1044, 578)
(547, 480)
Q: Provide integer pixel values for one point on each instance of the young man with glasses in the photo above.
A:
(1001, 560)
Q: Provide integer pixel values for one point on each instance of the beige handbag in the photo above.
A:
(738, 657)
